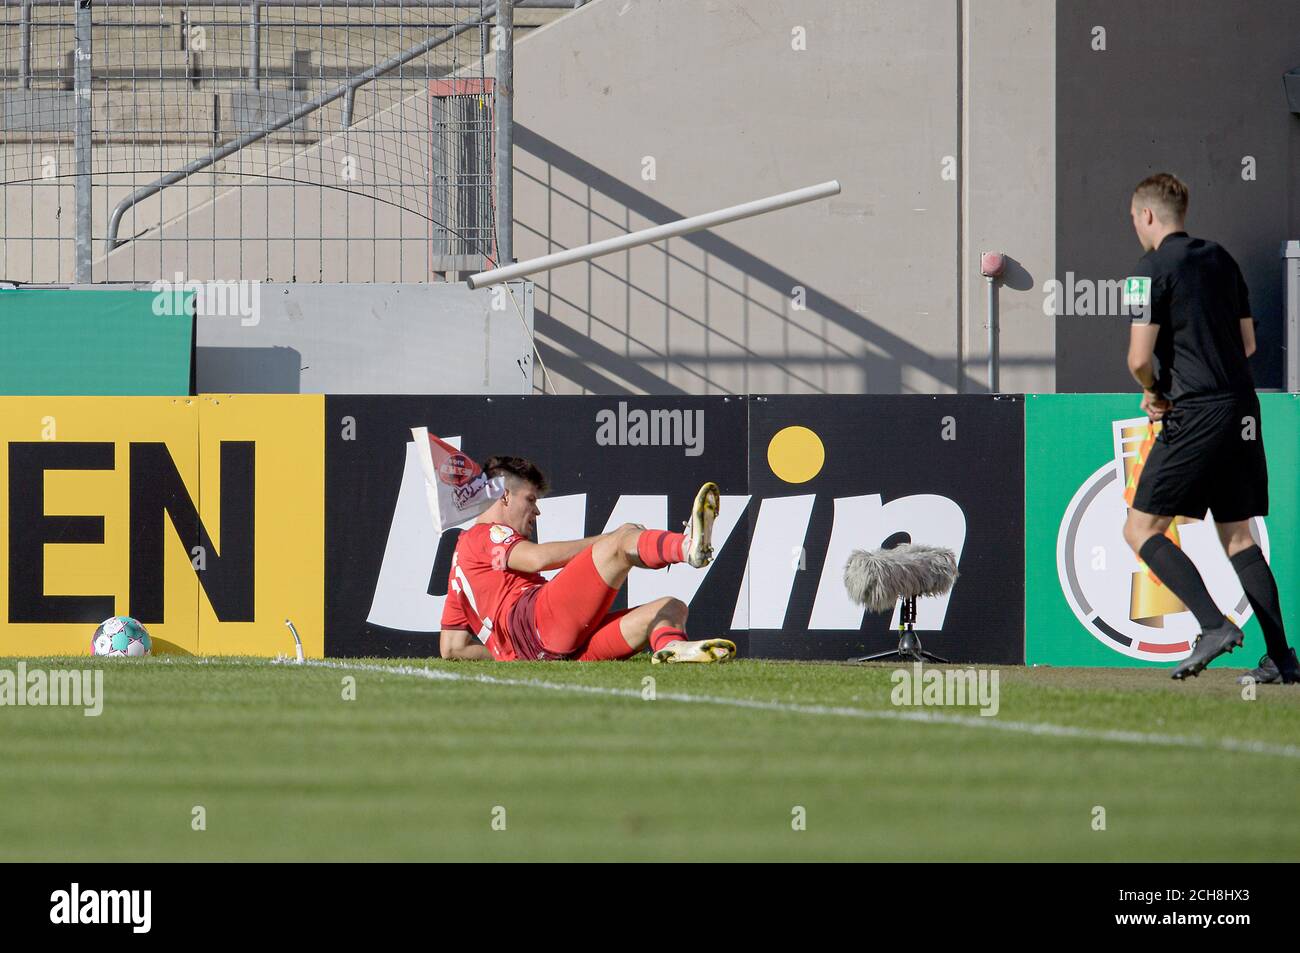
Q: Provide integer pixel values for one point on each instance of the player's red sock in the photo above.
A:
(608, 644)
(659, 548)
(665, 634)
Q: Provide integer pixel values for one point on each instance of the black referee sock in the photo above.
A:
(1261, 589)
(1177, 571)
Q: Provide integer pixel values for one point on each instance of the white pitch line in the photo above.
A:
(1041, 729)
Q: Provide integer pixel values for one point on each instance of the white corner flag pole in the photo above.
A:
(297, 642)
(647, 235)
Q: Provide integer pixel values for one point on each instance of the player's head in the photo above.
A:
(525, 485)
(1158, 207)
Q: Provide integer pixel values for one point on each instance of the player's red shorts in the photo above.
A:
(557, 619)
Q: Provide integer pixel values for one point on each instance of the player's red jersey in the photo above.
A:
(482, 587)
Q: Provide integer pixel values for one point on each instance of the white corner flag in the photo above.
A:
(457, 488)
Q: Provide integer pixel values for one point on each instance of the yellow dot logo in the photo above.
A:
(796, 454)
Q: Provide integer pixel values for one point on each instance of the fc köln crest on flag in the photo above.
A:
(457, 488)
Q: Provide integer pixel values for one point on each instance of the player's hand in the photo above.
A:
(1155, 406)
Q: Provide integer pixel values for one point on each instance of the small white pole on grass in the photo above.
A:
(297, 642)
(658, 232)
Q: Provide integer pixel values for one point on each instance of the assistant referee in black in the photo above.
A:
(1190, 336)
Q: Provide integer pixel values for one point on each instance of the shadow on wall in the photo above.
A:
(248, 370)
(1016, 277)
(875, 357)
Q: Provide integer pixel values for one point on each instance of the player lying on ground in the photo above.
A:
(495, 588)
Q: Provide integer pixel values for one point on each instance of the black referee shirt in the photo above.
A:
(1197, 296)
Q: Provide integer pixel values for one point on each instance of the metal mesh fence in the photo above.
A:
(335, 140)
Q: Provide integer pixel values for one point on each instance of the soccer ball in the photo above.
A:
(120, 636)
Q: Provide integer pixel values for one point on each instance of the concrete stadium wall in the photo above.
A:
(1194, 89)
(936, 116)
(370, 338)
(906, 104)
(954, 126)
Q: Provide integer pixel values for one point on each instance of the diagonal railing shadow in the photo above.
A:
(899, 350)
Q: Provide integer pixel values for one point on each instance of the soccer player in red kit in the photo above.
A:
(500, 606)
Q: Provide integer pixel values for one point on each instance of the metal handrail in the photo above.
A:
(25, 17)
(346, 89)
(644, 236)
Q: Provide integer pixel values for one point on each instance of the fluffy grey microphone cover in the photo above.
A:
(880, 577)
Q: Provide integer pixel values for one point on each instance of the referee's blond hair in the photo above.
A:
(1166, 195)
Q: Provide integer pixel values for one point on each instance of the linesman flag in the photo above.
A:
(458, 490)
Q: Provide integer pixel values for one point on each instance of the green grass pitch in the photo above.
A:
(582, 767)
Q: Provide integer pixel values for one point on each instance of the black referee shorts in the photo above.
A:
(1209, 455)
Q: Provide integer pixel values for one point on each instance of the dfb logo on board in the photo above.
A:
(1117, 598)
